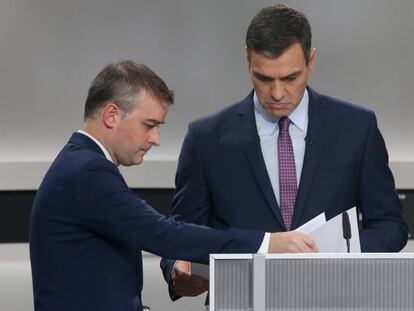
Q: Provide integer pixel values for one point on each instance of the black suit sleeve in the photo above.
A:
(192, 201)
(384, 228)
(113, 211)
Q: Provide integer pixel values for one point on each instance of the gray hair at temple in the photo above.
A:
(122, 83)
(276, 28)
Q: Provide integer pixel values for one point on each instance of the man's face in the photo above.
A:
(280, 82)
(137, 131)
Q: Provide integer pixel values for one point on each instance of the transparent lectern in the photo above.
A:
(368, 281)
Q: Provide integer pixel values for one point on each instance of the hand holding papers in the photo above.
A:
(328, 235)
(279, 242)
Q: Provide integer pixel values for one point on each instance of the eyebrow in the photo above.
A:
(261, 75)
(154, 121)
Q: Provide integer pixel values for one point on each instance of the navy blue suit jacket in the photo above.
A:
(87, 229)
(222, 179)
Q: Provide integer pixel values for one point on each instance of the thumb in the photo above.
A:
(183, 266)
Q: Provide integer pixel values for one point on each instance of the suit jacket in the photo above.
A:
(87, 229)
(222, 179)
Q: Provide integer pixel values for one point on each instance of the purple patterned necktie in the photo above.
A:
(287, 172)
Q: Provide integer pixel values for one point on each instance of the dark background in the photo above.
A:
(15, 207)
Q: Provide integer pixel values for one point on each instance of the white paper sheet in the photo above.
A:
(312, 224)
(200, 269)
(328, 236)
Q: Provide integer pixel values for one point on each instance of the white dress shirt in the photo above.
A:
(268, 130)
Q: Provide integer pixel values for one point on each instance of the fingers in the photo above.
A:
(303, 244)
(186, 284)
(310, 244)
(291, 242)
(182, 268)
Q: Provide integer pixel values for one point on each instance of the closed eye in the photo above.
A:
(150, 125)
(262, 78)
(290, 78)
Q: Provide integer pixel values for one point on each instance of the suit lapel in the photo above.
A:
(314, 145)
(251, 145)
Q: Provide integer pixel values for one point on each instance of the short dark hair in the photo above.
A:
(122, 82)
(276, 28)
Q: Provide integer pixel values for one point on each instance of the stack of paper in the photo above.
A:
(328, 235)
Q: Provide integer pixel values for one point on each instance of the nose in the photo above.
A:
(154, 137)
(277, 92)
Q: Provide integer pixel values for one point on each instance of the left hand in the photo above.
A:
(187, 284)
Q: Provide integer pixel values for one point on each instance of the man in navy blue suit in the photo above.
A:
(88, 228)
(233, 164)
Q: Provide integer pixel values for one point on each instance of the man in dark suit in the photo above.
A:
(87, 228)
(284, 154)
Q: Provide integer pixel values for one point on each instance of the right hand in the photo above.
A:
(185, 283)
(291, 242)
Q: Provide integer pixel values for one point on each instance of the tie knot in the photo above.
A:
(284, 123)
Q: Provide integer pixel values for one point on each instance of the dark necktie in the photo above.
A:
(287, 172)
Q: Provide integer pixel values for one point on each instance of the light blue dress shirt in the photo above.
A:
(268, 130)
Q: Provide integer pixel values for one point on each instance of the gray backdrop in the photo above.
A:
(50, 50)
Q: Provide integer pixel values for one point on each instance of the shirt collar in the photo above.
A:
(266, 124)
(106, 153)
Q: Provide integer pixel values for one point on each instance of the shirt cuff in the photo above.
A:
(264, 247)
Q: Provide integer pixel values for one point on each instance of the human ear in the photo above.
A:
(111, 115)
(311, 62)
